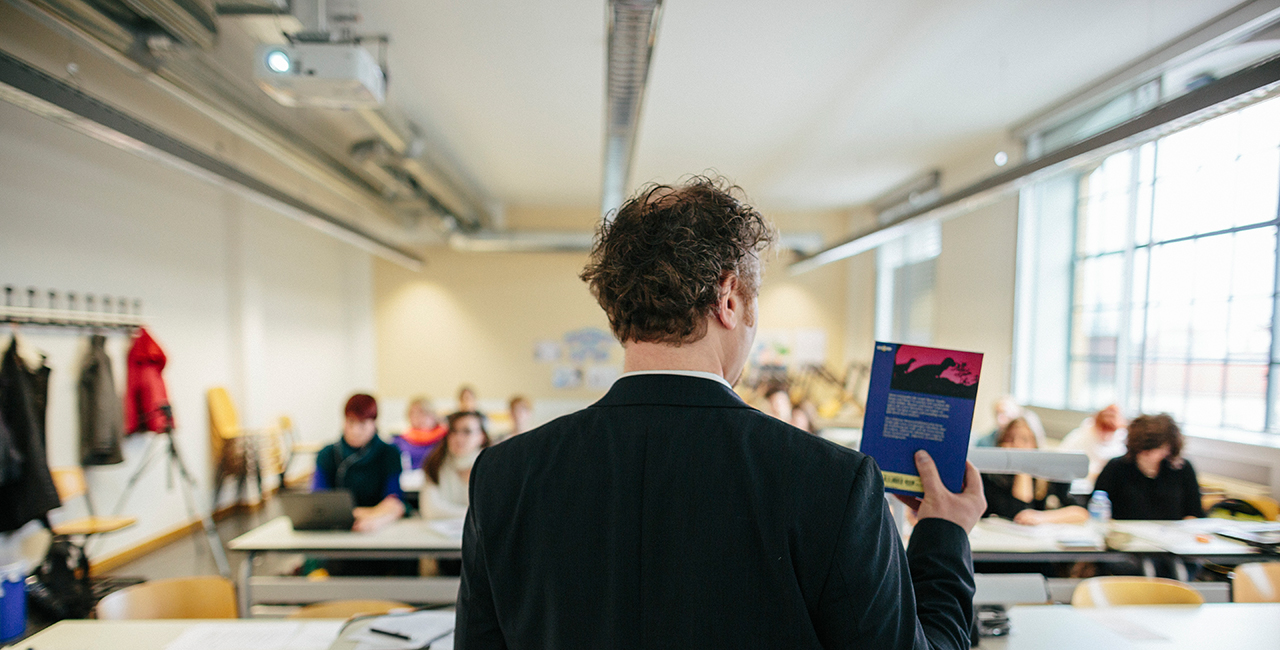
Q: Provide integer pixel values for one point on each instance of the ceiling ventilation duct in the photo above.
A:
(633, 26)
(191, 22)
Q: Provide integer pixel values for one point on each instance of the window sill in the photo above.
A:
(1238, 436)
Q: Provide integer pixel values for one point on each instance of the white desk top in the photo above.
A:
(412, 534)
(1000, 536)
(1177, 537)
(1180, 537)
(1238, 626)
(312, 634)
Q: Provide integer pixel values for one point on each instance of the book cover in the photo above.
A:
(920, 398)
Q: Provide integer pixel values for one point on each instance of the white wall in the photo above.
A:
(974, 294)
(236, 295)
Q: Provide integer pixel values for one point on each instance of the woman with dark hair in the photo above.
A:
(448, 467)
(363, 463)
(1022, 498)
(1152, 480)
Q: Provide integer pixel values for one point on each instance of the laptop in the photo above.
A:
(322, 510)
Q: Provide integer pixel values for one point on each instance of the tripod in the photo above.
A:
(188, 488)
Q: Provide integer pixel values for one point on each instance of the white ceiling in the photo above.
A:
(807, 104)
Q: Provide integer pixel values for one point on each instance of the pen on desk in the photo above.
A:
(389, 633)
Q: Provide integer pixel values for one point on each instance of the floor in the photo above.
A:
(191, 556)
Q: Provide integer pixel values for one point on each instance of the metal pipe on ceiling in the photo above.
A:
(1246, 86)
(633, 27)
(31, 88)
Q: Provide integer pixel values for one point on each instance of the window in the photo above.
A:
(904, 285)
(1149, 280)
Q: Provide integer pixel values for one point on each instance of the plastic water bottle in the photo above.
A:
(1100, 508)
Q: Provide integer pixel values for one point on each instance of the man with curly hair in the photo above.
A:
(670, 514)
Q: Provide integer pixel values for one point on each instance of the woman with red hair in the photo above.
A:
(363, 463)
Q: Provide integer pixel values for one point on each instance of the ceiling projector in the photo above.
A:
(320, 75)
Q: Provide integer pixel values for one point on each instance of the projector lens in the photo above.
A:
(278, 61)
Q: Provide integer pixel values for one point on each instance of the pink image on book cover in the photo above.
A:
(949, 373)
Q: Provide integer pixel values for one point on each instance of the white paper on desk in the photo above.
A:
(318, 635)
(1064, 534)
(1125, 627)
(236, 636)
(421, 627)
(443, 644)
(451, 528)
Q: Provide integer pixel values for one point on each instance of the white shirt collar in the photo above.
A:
(683, 373)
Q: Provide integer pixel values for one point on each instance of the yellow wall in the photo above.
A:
(974, 294)
(476, 317)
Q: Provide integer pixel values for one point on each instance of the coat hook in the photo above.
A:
(8, 295)
(137, 306)
(53, 299)
(71, 300)
(31, 297)
(124, 306)
(88, 302)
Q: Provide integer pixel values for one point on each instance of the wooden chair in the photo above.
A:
(1256, 582)
(194, 597)
(233, 448)
(70, 483)
(1112, 591)
(349, 608)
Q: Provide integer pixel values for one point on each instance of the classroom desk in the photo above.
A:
(1002, 541)
(157, 635)
(1238, 626)
(409, 538)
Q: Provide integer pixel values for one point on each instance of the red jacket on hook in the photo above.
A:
(146, 402)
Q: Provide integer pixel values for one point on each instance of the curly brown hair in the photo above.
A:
(656, 268)
(1148, 432)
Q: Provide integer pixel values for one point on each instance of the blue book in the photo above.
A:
(920, 398)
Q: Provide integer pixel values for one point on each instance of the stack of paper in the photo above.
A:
(410, 631)
(265, 635)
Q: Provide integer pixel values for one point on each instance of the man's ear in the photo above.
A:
(729, 306)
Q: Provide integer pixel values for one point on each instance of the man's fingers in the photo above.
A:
(972, 478)
(928, 473)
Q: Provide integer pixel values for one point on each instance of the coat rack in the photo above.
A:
(102, 311)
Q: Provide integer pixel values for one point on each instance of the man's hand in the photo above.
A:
(964, 509)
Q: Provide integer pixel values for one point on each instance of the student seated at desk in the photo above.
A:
(1152, 480)
(1006, 410)
(362, 462)
(1101, 437)
(448, 467)
(424, 433)
(1022, 498)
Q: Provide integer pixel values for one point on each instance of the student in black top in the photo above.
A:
(362, 462)
(1152, 480)
(1024, 499)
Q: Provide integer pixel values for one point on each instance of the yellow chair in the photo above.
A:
(350, 608)
(233, 449)
(1256, 582)
(1112, 591)
(70, 483)
(195, 597)
(1270, 508)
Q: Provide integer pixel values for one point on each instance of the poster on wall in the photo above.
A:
(582, 357)
(789, 348)
(566, 377)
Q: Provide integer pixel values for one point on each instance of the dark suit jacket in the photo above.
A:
(671, 514)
